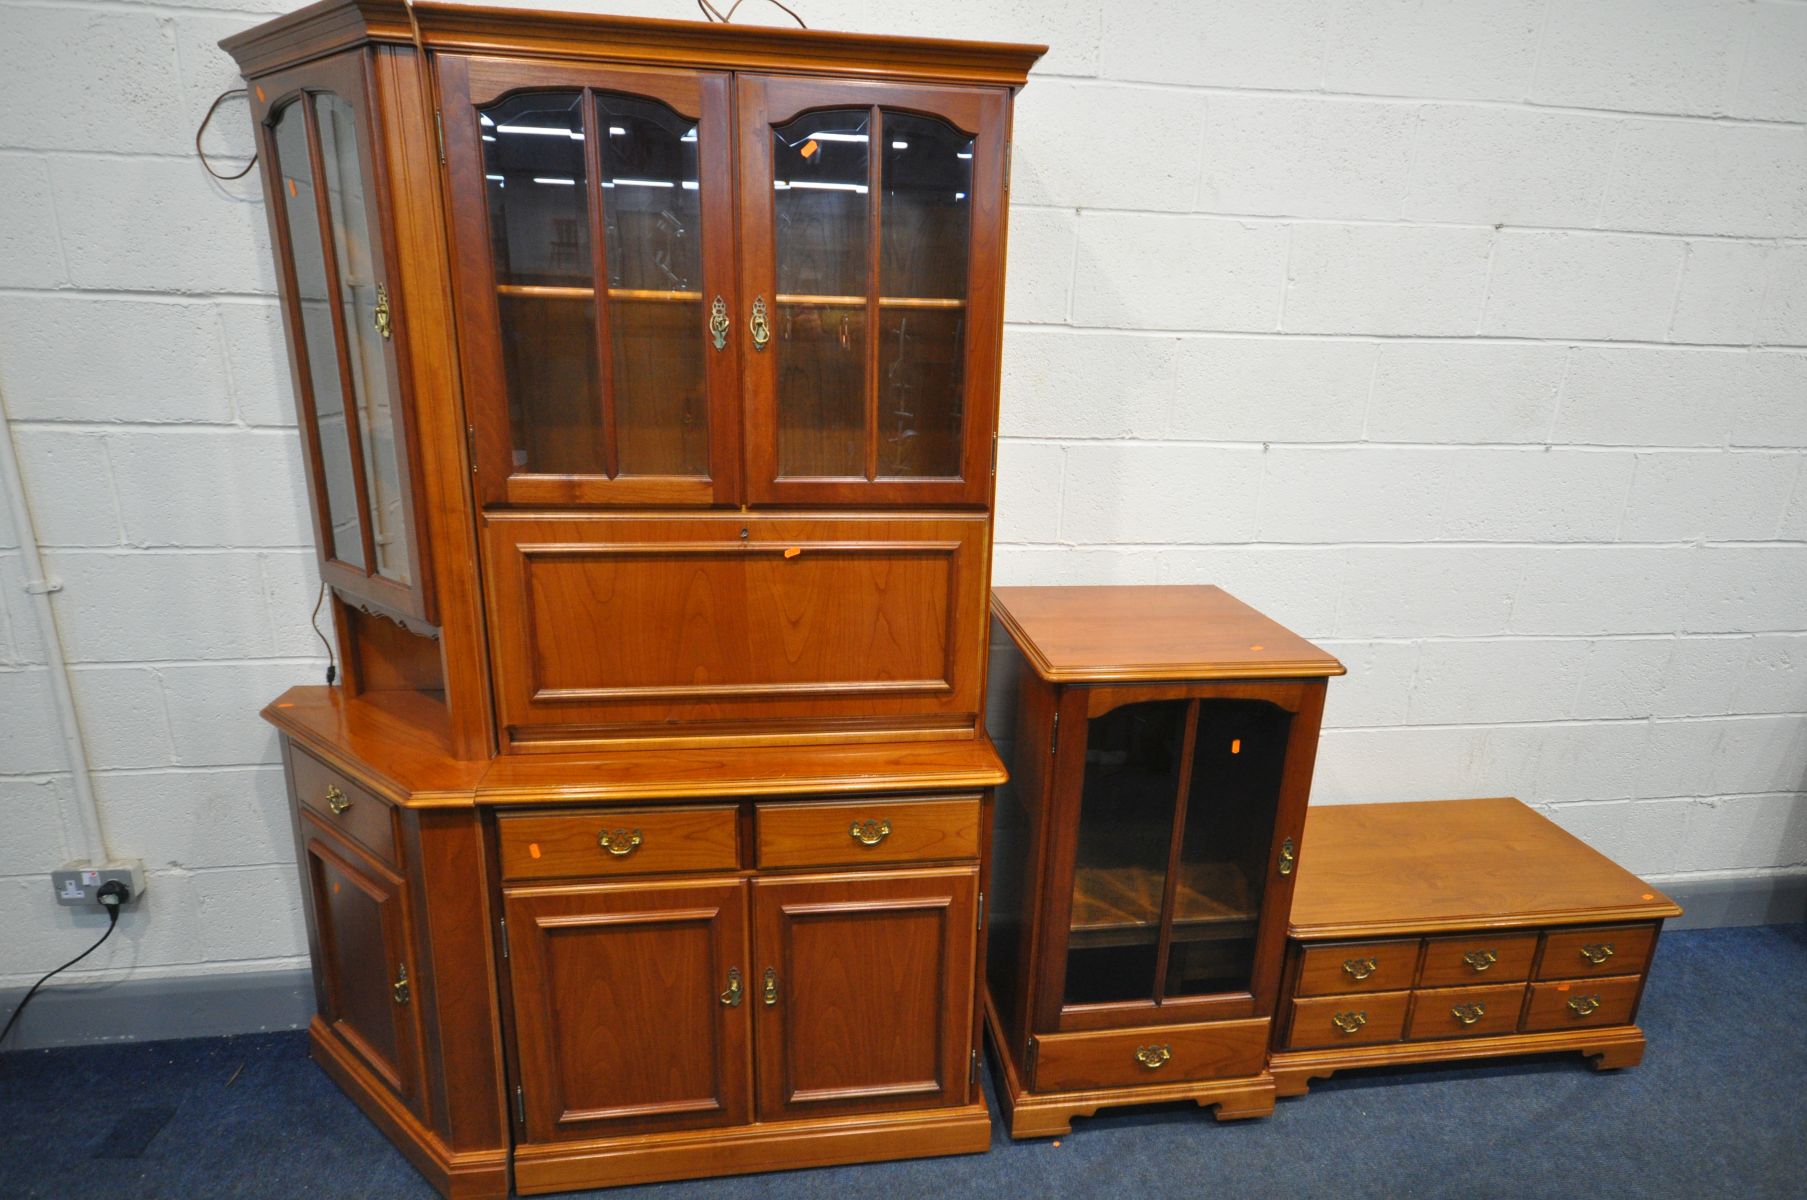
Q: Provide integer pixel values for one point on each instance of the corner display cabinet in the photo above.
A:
(646, 373)
(1146, 846)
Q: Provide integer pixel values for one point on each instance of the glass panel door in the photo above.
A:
(595, 263)
(873, 290)
(343, 317)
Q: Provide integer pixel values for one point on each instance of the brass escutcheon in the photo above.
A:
(731, 997)
(400, 986)
(718, 323)
(771, 986)
(1359, 968)
(762, 330)
(1597, 952)
(1584, 1006)
(1349, 1022)
(1480, 960)
(1288, 856)
(619, 842)
(381, 317)
(335, 800)
(869, 832)
(1153, 1057)
(1468, 1014)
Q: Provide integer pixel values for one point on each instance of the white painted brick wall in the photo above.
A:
(1467, 337)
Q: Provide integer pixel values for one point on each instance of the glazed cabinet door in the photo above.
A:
(592, 212)
(872, 222)
(364, 977)
(346, 328)
(864, 991)
(631, 1005)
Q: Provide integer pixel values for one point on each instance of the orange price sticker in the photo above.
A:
(533, 849)
(809, 148)
(793, 552)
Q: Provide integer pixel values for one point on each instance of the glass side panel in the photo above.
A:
(821, 204)
(308, 260)
(539, 217)
(1132, 767)
(1237, 762)
(359, 275)
(653, 243)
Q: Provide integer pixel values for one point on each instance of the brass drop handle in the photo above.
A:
(771, 986)
(1480, 960)
(381, 318)
(1597, 952)
(1153, 1057)
(619, 842)
(1468, 1014)
(1359, 968)
(731, 997)
(718, 323)
(401, 985)
(762, 329)
(1349, 1022)
(335, 800)
(869, 832)
(1288, 856)
(1584, 1006)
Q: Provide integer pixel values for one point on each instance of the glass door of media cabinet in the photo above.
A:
(593, 210)
(1172, 848)
(869, 217)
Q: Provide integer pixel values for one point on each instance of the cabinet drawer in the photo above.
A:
(1163, 1054)
(1465, 1012)
(620, 841)
(1357, 967)
(867, 831)
(344, 806)
(1348, 1020)
(1582, 1002)
(1602, 950)
(1477, 959)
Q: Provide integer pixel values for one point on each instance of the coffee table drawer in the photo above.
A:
(1348, 1020)
(1601, 950)
(1465, 1012)
(1582, 1002)
(1357, 967)
(1476, 959)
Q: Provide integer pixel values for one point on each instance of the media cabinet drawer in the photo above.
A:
(1348, 1020)
(1601, 950)
(1477, 958)
(1582, 1002)
(880, 830)
(1357, 967)
(1465, 1012)
(1160, 1054)
(619, 841)
(343, 805)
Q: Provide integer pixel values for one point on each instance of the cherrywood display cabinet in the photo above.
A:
(646, 375)
(1146, 848)
(1459, 929)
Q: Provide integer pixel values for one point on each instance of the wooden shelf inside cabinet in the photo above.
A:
(1163, 741)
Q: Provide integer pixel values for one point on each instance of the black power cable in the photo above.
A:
(111, 895)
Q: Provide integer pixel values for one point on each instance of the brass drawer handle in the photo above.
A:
(1288, 856)
(1597, 952)
(771, 986)
(1359, 968)
(869, 832)
(718, 323)
(1153, 1057)
(1468, 1014)
(731, 997)
(619, 842)
(1349, 1022)
(335, 800)
(1584, 1006)
(762, 329)
(1480, 960)
(381, 318)
(400, 986)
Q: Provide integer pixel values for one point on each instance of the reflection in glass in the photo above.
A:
(926, 216)
(652, 239)
(346, 198)
(552, 383)
(920, 369)
(1237, 759)
(1132, 772)
(301, 216)
(821, 403)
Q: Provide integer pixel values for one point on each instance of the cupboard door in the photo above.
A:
(872, 220)
(630, 1007)
(592, 211)
(365, 978)
(864, 991)
(344, 316)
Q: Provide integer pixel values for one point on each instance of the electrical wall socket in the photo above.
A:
(78, 884)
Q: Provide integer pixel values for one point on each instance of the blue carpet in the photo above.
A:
(1716, 1110)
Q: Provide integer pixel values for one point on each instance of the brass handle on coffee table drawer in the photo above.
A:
(869, 832)
(1584, 1006)
(400, 986)
(1349, 1022)
(1359, 968)
(619, 842)
(1468, 1014)
(731, 997)
(1597, 952)
(335, 800)
(1153, 1057)
(1480, 960)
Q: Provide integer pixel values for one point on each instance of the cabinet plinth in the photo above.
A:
(646, 374)
(1146, 848)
